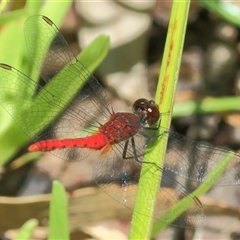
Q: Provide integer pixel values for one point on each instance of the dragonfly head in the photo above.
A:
(147, 110)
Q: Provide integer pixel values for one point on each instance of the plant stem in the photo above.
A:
(148, 183)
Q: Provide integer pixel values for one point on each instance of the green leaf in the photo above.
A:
(185, 203)
(3, 6)
(66, 94)
(205, 106)
(58, 218)
(26, 230)
(13, 136)
(228, 10)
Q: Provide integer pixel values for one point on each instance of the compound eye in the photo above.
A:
(153, 113)
(140, 105)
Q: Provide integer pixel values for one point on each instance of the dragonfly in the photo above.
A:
(74, 127)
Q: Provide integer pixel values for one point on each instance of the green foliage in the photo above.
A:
(91, 57)
(58, 217)
(26, 230)
(165, 95)
(207, 105)
(228, 10)
(14, 137)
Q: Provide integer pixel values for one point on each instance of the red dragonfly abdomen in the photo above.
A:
(120, 127)
(96, 142)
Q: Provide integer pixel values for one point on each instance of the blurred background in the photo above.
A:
(210, 69)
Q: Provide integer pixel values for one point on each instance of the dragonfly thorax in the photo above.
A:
(121, 126)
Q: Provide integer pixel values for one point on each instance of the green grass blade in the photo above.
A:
(56, 14)
(26, 230)
(8, 39)
(13, 137)
(141, 224)
(58, 217)
(185, 203)
(3, 5)
(11, 143)
(205, 106)
(67, 94)
(228, 10)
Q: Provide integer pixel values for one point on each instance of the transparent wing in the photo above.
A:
(191, 159)
(63, 108)
(187, 158)
(52, 55)
(119, 178)
(195, 160)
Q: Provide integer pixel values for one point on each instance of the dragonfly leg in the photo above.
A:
(125, 149)
(135, 155)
